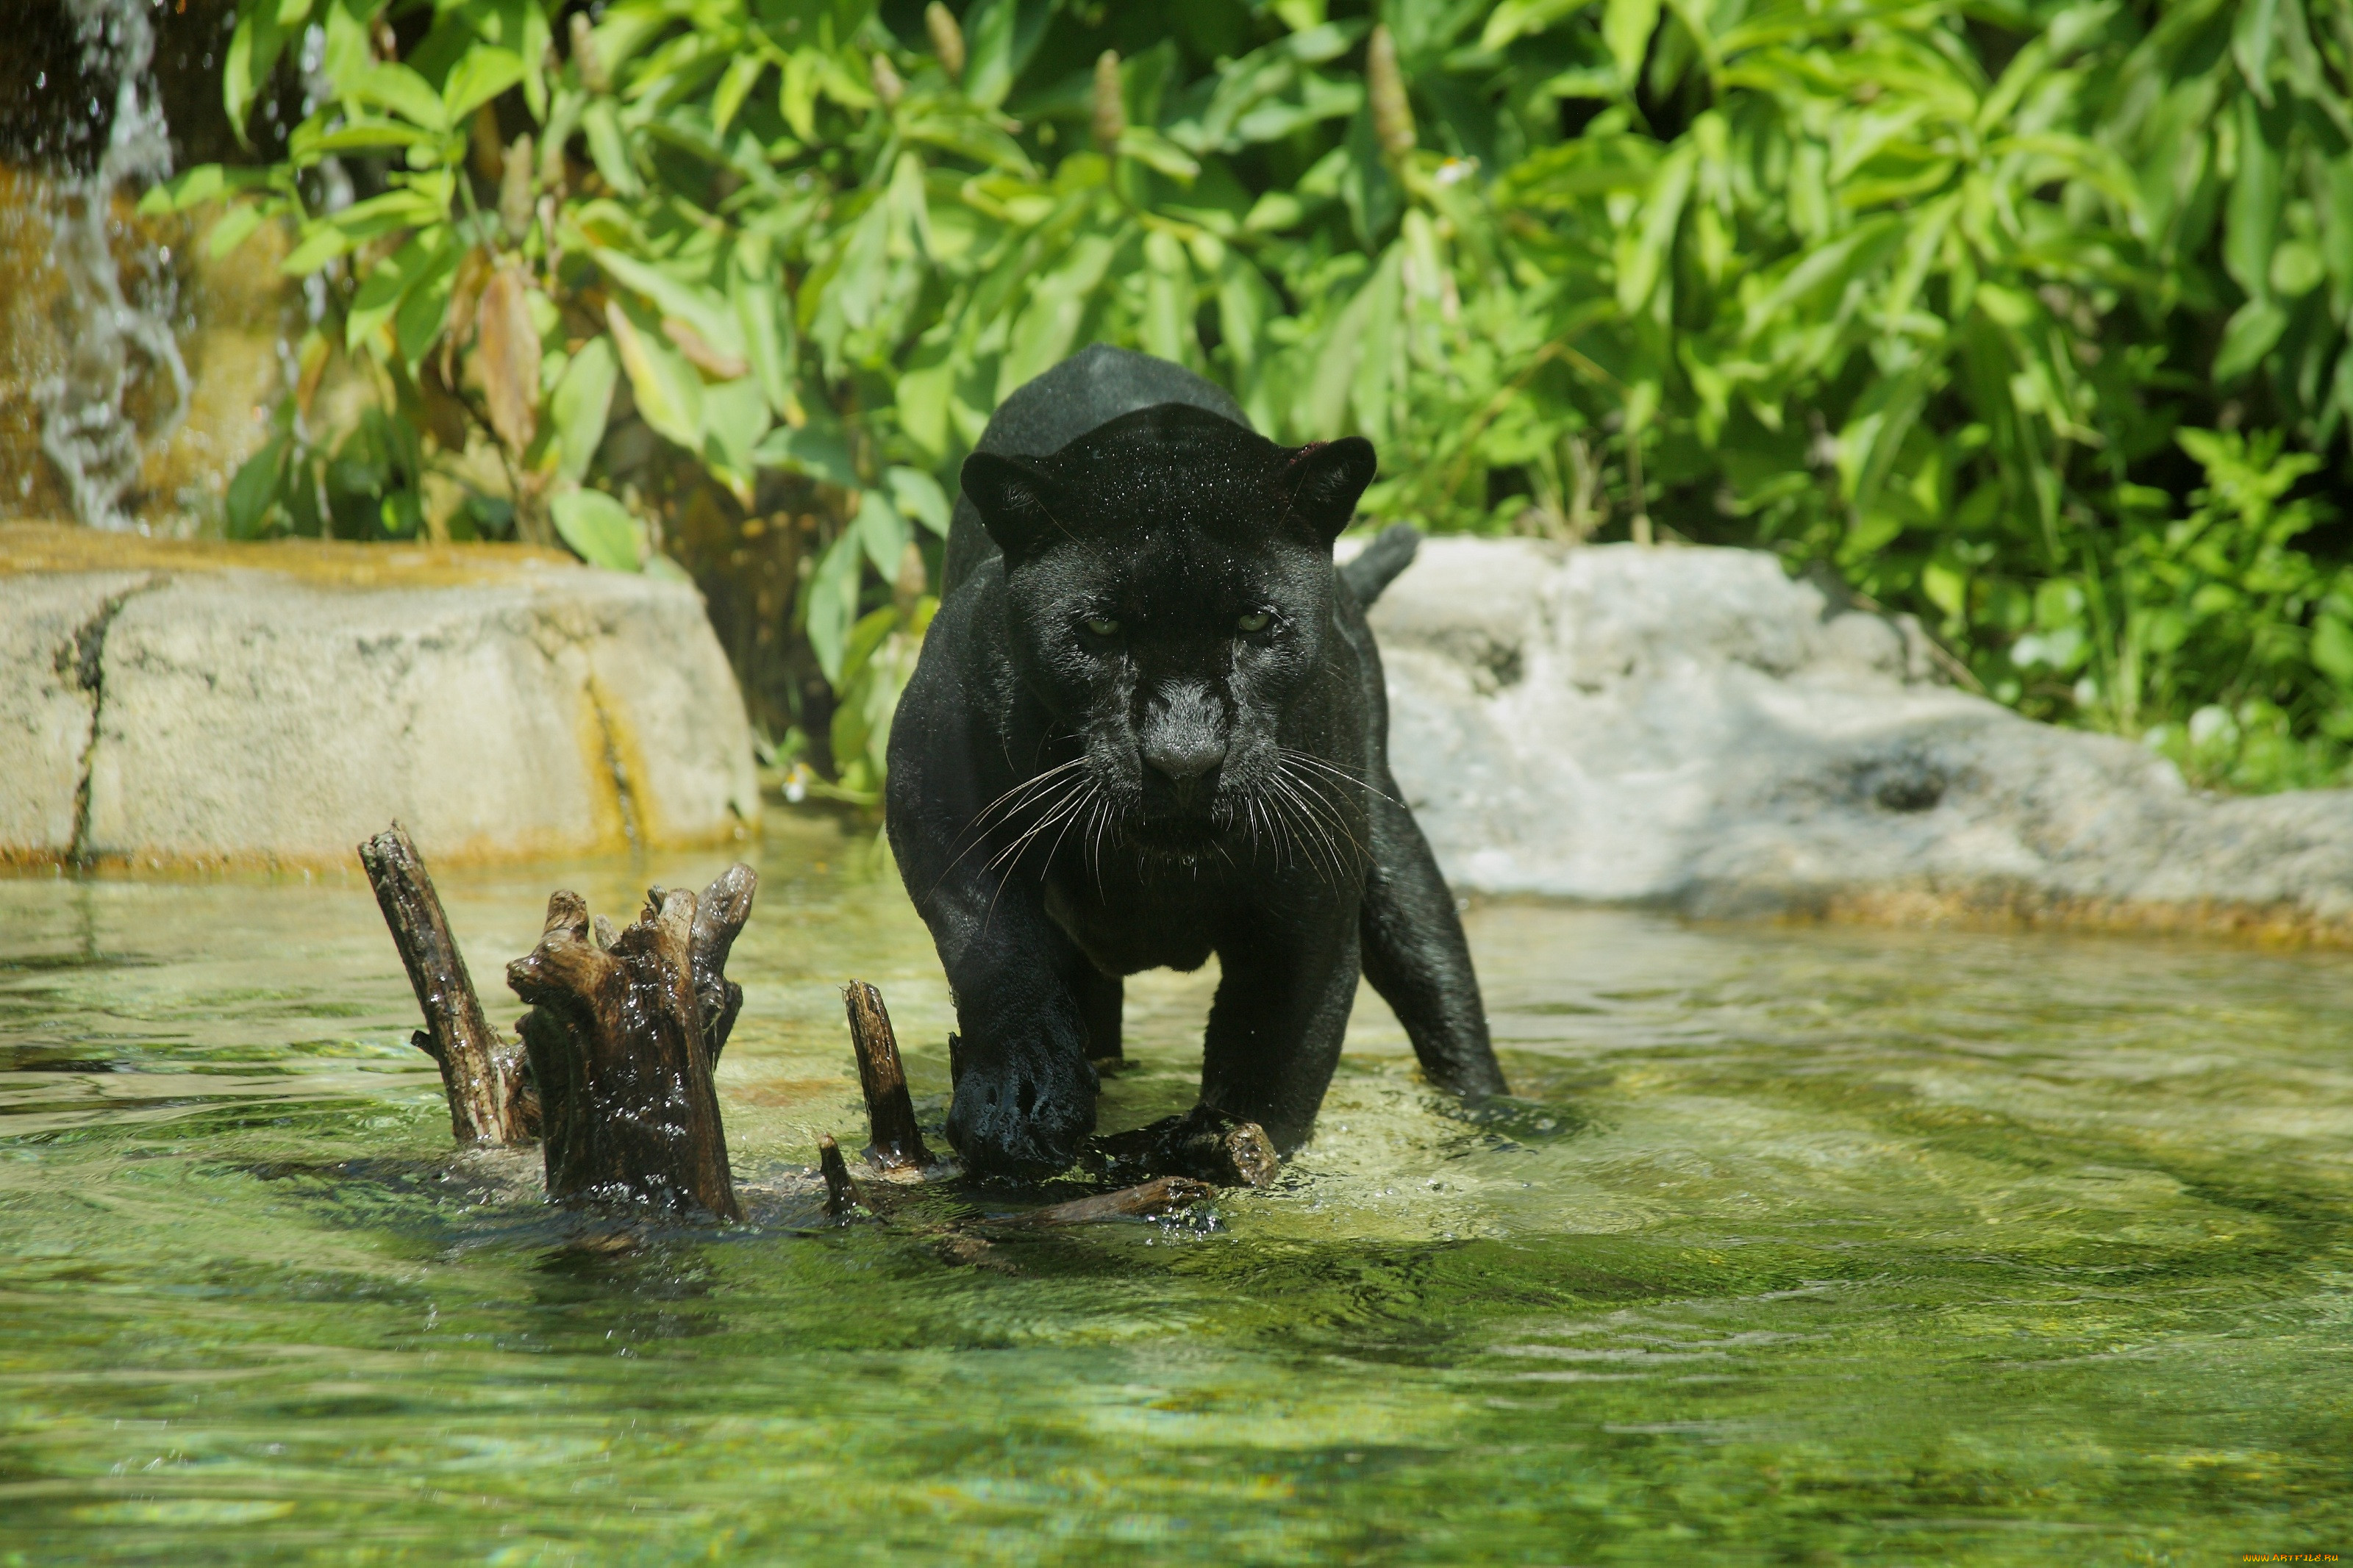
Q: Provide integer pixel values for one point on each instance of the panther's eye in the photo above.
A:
(1258, 621)
(1102, 627)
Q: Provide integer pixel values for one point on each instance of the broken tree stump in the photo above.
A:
(898, 1141)
(485, 1077)
(623, 1033)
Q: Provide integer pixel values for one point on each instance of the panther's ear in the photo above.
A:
(1012, 498)
(1326, 478)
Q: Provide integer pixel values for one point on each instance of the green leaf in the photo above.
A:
(667, 392)
(796, 95)
(311, 142)
(923, 393)
(1354, 367)
(882, 531)
(2252, 224)
(386, 285)
(1044, 331)
(734, 417)
(2250, 335)
(1642, 251)
(1168, 300)
(580, 404)
(599, 529)
(918, 494)
(2332, 649)
(764, 314)
(403, 92)
(479, 77)
(698, 306)
(1515, 18)
(2250, 43)
(1367, 185)
(425, 306)
(1626, 29)
(991, 66)
(819, 453)
(832, 601)
(252, 55)
(600, 123)
(251, 494)
(233, 228)
(1156, 152)
(742, 75)
(200, 185)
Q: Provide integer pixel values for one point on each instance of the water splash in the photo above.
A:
(123, 384)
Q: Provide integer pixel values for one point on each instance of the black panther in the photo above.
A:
(1148, 724)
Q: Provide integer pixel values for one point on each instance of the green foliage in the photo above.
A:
(2030, 316)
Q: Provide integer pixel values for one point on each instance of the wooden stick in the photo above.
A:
(840, 1192)
(482, 1074)
(1155, 1196)
(898, 1143)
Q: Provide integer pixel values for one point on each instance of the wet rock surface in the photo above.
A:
(1692, 728)
(191, 705)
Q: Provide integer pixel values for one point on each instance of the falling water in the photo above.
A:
(124, 384)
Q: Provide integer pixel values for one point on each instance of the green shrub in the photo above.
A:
(2031, 318)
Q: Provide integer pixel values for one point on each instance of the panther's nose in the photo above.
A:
(1183, 759)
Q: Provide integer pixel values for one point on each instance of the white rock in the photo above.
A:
(195, 711)
(1690, 727)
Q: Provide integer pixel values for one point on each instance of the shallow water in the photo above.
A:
(1806, 1246)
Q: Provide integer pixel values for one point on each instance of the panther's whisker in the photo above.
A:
(1330, 809)
(1071, 794)
(1067, 804)
(1328, 816)
(1311, 834)
(1034, 781)
(1093, 790)
(978, 829)
(1338, 771)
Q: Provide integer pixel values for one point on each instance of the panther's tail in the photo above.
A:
(1378, 564)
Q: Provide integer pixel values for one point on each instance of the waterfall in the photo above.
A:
(123, 384)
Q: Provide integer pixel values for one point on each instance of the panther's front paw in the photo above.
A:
(1022, 1120)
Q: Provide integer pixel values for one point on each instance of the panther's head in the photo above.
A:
(1168, 584)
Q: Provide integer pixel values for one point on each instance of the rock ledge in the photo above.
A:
(1690, 728)
(187, 705)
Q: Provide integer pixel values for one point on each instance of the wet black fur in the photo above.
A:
(1070, 806)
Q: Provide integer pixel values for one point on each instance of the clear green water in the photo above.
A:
(1812, 1247)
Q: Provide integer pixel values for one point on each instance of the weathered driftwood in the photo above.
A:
(623, 1033)
(1160, 1195)
(486, 1077)
(898, 1141)
(1207, 1145)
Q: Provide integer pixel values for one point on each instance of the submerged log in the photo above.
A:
(485, 1077)
(1162, 1194)
(898, 1141)
(623, 1033)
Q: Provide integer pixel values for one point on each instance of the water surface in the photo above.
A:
(1804, 1246)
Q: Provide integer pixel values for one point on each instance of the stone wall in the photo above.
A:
(181, 704)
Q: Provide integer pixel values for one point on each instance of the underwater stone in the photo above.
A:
(271, 704)
(1691, 728)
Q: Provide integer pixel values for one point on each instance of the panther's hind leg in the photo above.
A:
(1417, 958)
